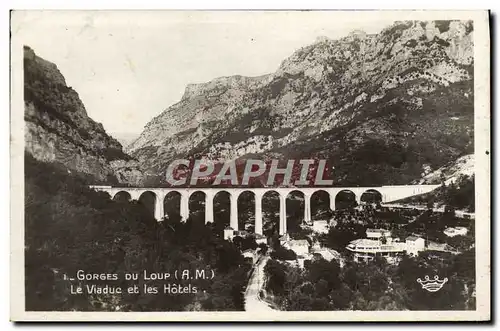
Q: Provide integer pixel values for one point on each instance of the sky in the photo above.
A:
(128, 66)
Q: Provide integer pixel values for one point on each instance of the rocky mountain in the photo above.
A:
(59, 130)
(450, 173)
(125, 138)
(381, 108)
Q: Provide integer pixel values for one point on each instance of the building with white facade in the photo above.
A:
(367, 249)
(228, 233)
(414, 245)
(441, 247)
(300, 247)
(377, 233)
(456, 231)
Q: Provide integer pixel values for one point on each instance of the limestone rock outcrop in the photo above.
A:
(380, 108)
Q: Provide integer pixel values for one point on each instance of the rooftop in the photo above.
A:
(372, 245)
(365, 242)
(377, 230)
(412, 238)
(326, 254)
(457, 228)
(301, 242)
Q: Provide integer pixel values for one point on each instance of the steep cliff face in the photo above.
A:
(58, 129)
(381, 108)
(203, 110)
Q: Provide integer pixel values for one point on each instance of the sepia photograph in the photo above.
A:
(250, 165)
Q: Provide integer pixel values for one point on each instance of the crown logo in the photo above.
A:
(432, 285)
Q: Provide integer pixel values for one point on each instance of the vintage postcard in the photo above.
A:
(250, 166)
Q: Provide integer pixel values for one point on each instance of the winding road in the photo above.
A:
(253, 302)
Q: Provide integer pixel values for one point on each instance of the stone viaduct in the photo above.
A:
(388, 193)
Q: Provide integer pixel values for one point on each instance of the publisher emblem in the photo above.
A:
(432, 285)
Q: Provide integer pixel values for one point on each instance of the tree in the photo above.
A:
(341, 235)
(238, 241)
(248, 243)
(323, 270)
(276, 277)
(282, 253)
(462, 243)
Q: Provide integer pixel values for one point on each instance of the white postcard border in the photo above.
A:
(482, 200)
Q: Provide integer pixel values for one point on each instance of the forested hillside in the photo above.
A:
(324, 285)
(68, 227)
